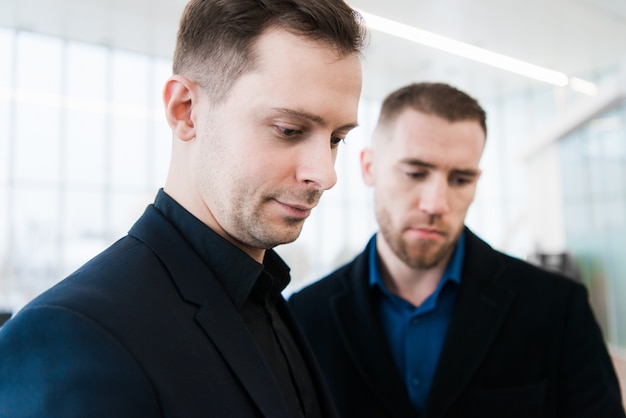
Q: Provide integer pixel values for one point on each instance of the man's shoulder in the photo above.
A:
(114, 280)
(337, 280)
(316, 300)
(479, 254)
(323, 287)
(491, 271)
(524, 273)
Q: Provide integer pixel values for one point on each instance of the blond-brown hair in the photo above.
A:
(216, 38)
(437, 99)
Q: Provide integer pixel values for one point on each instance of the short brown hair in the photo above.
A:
(216, 38)
(437, 99)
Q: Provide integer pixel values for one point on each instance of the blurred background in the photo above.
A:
(84, 144)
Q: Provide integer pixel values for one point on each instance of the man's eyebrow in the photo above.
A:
(314, 118)
(419, 163)
(466, 172)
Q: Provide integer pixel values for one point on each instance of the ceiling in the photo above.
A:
(578, 37)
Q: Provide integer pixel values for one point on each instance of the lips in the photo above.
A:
(427, 233)
(296, 210)
(429, 230)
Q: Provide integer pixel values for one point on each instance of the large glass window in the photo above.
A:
(82, 152)
(38, 83)
(6, 77)
(594, 175)
(86, 117)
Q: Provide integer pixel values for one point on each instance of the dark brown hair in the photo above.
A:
(216, 38)
(437, 99)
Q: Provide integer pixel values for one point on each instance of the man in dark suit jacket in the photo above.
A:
(184, 317)
(429, 320)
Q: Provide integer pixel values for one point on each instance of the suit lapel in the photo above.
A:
(364, 339)
(481, 308)
(226, 329)
(216, 315)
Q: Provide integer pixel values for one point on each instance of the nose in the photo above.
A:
(316, 165)
(434, 197)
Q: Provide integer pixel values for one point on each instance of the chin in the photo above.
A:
(285, 238)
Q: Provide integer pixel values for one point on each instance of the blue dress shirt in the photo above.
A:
(416, 334)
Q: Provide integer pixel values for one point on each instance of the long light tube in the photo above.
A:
(475, 53)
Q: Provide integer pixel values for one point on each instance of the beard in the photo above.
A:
(422, 254)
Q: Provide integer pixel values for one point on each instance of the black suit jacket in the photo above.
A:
(522, 342)
(143, 330)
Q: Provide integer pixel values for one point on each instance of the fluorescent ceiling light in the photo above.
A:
(475, 53)
(583, 86)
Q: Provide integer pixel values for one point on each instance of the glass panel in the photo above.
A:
(129, 152)
(87, 68)
(86, 156)
(5, 252)
(36, 245)
(131, 120)
(5, 133)
(593, 165)
(86, 115)
(37, 142)
(7, 38)
(39, 66)
(83, 227)
(574, 164)
(37, 111)
(130, 74)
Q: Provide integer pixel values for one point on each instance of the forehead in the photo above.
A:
(280, 52)
(293, 72)
(432, 139)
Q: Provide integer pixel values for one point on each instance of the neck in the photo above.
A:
(414, 288)
(412, 284)
(194, 204)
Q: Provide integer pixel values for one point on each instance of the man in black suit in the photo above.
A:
(430, 321)
(183, 317)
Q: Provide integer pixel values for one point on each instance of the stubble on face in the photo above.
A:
(261, 228)
(421, 254)
(244, 213)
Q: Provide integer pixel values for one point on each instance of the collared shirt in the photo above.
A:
(416, 333)
(254, 290)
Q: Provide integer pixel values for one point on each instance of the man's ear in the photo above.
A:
(367, 161)
(179, 96)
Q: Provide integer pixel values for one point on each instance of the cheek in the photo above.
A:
(394, 199)
(261, 171)
(463, 202)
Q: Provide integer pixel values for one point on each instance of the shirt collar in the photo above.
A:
(451, 273)
(237, 272)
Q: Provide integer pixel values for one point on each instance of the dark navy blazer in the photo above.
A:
(522, 342)
(143, 330)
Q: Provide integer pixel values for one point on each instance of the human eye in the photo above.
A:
(288, 132)
(335, 141)
(416, 175)
(460, 180)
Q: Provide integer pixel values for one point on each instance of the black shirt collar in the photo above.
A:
(238, 273)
